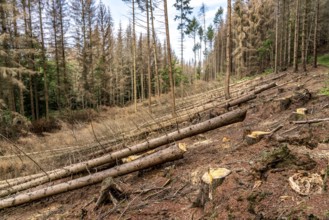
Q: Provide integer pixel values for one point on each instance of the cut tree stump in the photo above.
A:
(256, 136)
(110, 190)
(162, 156)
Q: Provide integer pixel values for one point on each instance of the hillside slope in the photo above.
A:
(258, 186)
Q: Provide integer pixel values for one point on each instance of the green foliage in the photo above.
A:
(265, 48)
(192, 27)
(324, 60)
(210, 35)
(179, 77)
(325, 89)
(12, 125)
(219, 16)
(267, 72)
(184, 10)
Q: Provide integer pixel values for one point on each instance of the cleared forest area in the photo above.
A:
(258, 164)
(99, 121)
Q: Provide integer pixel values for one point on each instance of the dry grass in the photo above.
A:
(81, 133)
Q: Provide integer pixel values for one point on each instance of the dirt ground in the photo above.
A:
(256, 188)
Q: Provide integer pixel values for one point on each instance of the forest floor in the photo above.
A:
(256, 188)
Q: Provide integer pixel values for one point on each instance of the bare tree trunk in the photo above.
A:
(21, 95)
(228, 52)
(155, 51)
(168, 154)
(44, 62)
(304, 28)
(289, 41)
(286, 27)
(277, 37)
(222, 51)
(36, 98)
(315, 40)
(296, 41)
(148, 54)
(134, 57)
(27, 32)
(310, 30)
(171, 77)
(282, 35)
(63, 50)
(91, 56)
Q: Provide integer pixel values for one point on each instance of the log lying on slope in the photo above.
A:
(168, 154)
(220, 121)
(165, 122)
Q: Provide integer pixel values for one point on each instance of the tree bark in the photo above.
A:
(65, 79)
(277, 37)
(315, 40)
(171, 76)
(282, 35)
(296, 41)
(148, 55)
(134, 58)
(44, 64)
(286, 37)
(228, 52)
(289, 41)
(304, 36)
(169, 154)
(155, 52)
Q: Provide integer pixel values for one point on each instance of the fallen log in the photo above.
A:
(12, 182)
(162, 156)
(220, 121)
(240, 100)
(165, 122)
(265, 87)
(311, 121)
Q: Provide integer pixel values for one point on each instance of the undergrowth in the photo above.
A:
(325, 90)
(12, 124)
(324, 60)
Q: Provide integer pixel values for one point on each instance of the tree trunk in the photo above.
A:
(296, 39)
(169, 154)
(310, 30)
(36, 97)
(65, 80)
(286, 26)
(155, 52)
(171, 77)
(282, 35)
(26, 25)
(304, 28)
(315, 40)
(277, 37)
(222, 51)
(289, 41)
(134, 57)
(228, 52)
(148, 55)
(44, 62)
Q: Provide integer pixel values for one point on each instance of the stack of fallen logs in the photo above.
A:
(21, 190)
(162, 156)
